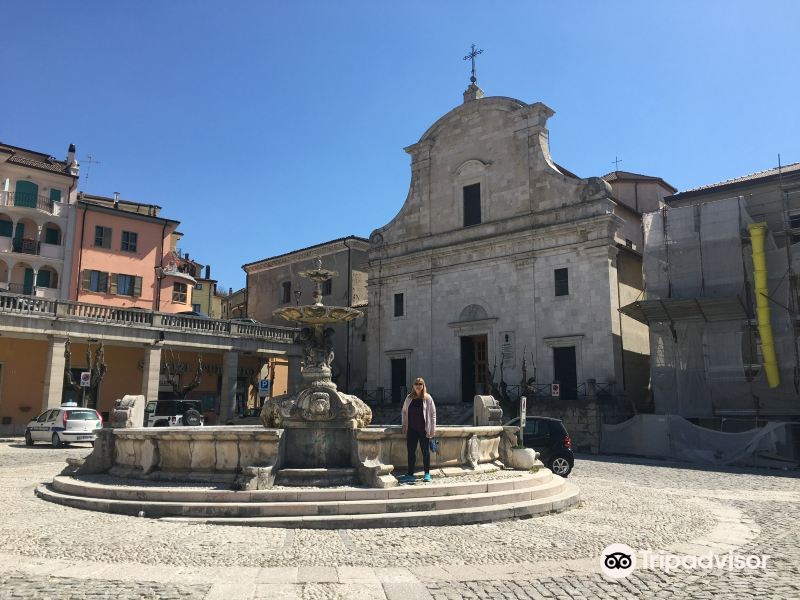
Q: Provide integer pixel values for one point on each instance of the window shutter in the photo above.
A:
(106, 237)
(137, 286)
(113, 289)
(86, 279)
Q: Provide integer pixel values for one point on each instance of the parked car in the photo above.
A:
(245, 321)
(549, 437)
(64, 425)
(173, 413)
(193, 313)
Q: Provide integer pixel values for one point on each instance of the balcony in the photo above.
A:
(43, 315)
(30, 246)
(24, 200)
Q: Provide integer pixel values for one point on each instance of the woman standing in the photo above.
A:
(419, 425)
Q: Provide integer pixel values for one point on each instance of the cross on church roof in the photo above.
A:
(616, 162)
(471, 56)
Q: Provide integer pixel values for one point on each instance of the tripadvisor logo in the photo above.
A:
(619, 560)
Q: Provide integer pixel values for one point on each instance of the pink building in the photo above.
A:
(124, 255)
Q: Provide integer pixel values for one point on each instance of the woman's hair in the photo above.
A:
(424, 388)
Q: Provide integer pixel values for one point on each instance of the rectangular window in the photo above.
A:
(95, 281)
(179, 292)
(327, 287)
(286, 292)
(55, 195)
(398, 305)
(129, 239)
(102, 237)
(196, 308)
(562, 282)
(794, 221)
(125, 285)
(472, 204)
(6, 228)
(52, 236)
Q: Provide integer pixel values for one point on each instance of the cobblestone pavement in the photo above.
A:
(52, 551)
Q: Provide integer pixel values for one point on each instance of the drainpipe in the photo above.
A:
(160, 263)
(757, 233)
(80, 250)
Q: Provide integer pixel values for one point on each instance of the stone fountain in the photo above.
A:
(318, 437)
(318, 421)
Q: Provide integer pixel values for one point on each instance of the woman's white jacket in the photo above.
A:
(428, 411)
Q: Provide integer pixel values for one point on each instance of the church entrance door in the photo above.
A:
(399, 387)
(474, 366)
(565, 371)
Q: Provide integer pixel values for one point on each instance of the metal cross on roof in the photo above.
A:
(471, 56)
(616, 162)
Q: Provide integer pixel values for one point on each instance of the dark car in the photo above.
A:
(173, 412)
(550, 439)
(193, 313)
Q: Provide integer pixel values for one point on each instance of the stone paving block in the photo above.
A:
(357, 575)
(277, 575)
(395, 575)
(317, 575)
(230, 591)
(402, 590)
(274, 591)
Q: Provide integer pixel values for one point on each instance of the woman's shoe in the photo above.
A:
(407, 479)
(427, 477)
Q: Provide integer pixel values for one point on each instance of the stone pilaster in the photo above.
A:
(227, 404)
(54, 374)
(150, 380)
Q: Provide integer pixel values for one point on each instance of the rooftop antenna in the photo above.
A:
(89, 160)
(616, 162)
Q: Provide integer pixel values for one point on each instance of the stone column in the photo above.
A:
(227, 404)
(150, 381)
(295, 379)
(54, 374)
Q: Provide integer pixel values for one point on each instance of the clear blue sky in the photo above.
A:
(236, 117)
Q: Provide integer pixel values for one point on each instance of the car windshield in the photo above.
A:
(81, 415)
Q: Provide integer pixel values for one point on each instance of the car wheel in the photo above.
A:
(28, 439)
(56, 441)
(560, 466)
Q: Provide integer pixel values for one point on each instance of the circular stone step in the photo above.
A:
(423, 504)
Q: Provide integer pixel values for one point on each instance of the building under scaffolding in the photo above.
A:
(709, 335)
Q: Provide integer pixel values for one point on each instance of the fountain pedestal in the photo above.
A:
(319, 421)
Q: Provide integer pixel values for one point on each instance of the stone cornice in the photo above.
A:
(307, 254)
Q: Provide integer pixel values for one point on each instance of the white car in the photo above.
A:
(68, 423)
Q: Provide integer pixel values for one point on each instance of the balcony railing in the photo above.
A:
(25, 200)
(25, 246)
(132, 317)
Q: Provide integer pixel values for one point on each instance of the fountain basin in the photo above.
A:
(249, 457)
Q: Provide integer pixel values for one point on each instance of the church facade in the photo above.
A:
(499, 260)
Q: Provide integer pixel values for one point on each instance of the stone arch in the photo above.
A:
(52, 233)
(473, 312)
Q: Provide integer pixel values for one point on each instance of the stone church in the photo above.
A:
(500, 257)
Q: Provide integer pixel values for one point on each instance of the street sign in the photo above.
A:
(264, 386)
(523, 410)
(555, 389)
(86, 379)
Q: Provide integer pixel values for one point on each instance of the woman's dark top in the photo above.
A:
(416, 417)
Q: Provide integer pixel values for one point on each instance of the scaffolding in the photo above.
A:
(706, 355)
